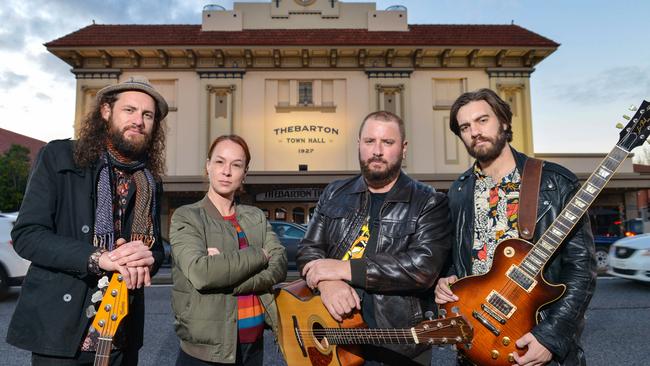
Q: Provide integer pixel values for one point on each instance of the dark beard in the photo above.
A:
(485, 156)
(135, 150)
(379, 179)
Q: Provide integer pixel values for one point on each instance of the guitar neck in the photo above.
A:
(103, 354)
(572, 212)
(382, 336)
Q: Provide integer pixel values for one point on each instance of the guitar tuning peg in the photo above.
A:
(442, 313)
(626, 117)
(103, 282)
(455, 310)
(429, 315)
(96, 296)
(619, 126)
(632, 108)
(90, 311)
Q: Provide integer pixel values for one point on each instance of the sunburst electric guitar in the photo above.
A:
(113, 308)
(502, 305)
(308, 335)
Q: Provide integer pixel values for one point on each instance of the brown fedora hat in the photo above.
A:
(137, 83)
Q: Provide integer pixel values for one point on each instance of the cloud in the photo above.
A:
(54, 66)
(611, 85)
(12, 30)
(9, 80)
(44, 97)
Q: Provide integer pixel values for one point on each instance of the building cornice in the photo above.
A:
(512, 72)
(96, 73)
(234, 73)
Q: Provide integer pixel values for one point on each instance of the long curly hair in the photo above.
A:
(94, 131)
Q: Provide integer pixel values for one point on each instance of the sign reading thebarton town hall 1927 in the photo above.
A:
(301, 136)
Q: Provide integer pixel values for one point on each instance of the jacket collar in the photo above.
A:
(401, 191)
(240, 210)
(211, 209)
(66, 163)
(520, 159)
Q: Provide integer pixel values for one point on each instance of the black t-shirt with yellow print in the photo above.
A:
(366, 246)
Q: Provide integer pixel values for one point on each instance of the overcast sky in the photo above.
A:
(578, 93)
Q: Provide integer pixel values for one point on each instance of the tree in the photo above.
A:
(14, 171)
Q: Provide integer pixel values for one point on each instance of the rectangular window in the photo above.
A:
(305, 93)
(445, 92)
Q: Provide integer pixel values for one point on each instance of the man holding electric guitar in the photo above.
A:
(506, 195)
(92, 207)
(378, 241)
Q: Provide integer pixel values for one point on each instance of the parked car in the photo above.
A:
(630, 258)
(603, 244)
(604, 240)
(290, 235)
(13, 267)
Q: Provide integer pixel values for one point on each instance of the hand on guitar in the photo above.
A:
(133, 260)
(537, 354)
(443, 291)
(339, 298)
(326, 270)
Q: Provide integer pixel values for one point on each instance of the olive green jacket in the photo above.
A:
(204, 294)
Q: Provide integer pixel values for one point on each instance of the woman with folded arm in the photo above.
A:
(226, 261)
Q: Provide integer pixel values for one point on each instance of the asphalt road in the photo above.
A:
(618, 320)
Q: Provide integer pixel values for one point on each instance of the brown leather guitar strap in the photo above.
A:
(529, 197)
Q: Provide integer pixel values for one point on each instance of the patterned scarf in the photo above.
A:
(142, 227)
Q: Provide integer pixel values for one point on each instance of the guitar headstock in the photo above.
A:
(637, 130)
(445, 331)
(114, 307)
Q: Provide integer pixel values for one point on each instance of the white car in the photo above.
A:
(13, 268)
(630, 258)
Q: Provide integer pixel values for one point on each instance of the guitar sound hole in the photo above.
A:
(319, 335)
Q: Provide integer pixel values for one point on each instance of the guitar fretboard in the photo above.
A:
(381, 336)
(102, 355)
(572, 212)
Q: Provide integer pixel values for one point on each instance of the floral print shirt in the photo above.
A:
(496, 207)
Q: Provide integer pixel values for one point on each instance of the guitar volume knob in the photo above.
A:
(494, 354)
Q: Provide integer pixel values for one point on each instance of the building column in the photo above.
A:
(513, 86)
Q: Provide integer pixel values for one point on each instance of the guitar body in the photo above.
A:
(301, 309)
(506, 307)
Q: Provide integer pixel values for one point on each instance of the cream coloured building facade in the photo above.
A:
(295, 79)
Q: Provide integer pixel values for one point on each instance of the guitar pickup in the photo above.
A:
(486, 323)
(493, 314)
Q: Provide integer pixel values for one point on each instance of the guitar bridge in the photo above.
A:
(486, 323)
(296, 332)
(493, 314)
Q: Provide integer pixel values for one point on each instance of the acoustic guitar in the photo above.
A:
(308, 335)
(502, 305)
(113, 308)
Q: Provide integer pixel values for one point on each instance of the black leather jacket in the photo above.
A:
(561, 323)
(412, 246)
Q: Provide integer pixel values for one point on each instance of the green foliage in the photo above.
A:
(14, 171)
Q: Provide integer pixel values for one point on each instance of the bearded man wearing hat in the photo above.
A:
(92, 208)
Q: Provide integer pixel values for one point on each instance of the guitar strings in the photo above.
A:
(514, 292)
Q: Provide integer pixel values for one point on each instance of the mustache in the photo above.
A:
(480, 138)
(133, 127)
(376, 159)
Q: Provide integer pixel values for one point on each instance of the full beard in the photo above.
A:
(134, 149)
(380, 178)
(489, 152)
